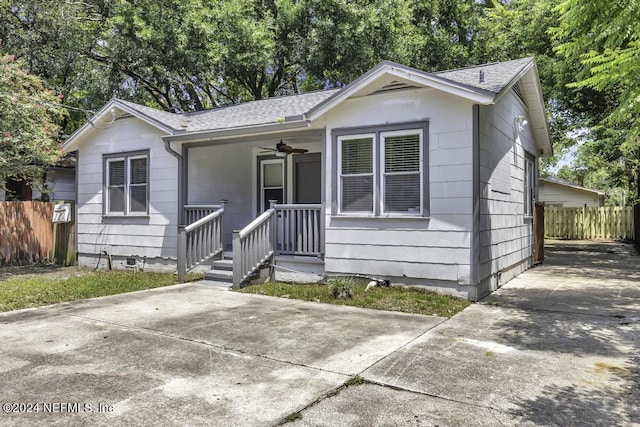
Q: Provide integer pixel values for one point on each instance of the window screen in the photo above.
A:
(116, 186)
(357, 175)
(529, 185)
(402, 183)
(138, 184)
(127, 187)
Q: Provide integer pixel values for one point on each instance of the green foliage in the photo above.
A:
(52, 285)
(341, 287)
(29, 123)
(189, 55)
(408, 300)
(353, 381)
(606, 43)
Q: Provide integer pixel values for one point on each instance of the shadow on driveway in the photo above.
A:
(584, 301)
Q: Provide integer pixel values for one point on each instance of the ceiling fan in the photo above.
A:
(281, 147)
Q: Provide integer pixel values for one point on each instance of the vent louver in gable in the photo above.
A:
(518, 91)
(395, 85)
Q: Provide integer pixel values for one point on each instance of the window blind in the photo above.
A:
(357, 175)
(402, 183)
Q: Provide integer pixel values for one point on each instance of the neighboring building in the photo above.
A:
(554, 191)
(59, 182)
(421, 178)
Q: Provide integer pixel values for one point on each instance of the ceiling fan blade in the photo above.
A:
(299, 150)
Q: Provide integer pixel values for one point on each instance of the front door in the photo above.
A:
(307, 178)
(271, 181)
(305, 185)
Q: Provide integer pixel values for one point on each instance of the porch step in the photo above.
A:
(216, 283)
(222, 264)
(219, 275)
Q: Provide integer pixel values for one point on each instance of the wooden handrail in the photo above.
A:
(253, 246)
(256, 222)
(204, 220)
(200, 241)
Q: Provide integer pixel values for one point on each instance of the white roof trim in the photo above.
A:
(407, 74)
(237, 131)
(571, 185)
(71, 142)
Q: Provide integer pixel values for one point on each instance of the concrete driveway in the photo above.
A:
(186, 355)
(559, 345)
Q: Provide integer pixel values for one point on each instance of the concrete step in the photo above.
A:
(222, 264)
(216, 283)
(219, 275)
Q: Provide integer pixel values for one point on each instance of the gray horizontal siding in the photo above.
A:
(434, 248)
(152, 235)
(505, 233)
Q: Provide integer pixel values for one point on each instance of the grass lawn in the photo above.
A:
(408, 300)
(34, 286)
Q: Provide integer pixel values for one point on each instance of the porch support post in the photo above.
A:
(273, 238)
(223, 203)
(237, 259)
(182, 253)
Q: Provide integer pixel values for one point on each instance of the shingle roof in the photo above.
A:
(252, 113)
(559, 181)
(495, 75)
(172, 120)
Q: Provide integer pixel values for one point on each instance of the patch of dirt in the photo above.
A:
(41, 270)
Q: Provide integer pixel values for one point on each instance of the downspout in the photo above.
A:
(181, 260)
(474, 262)
(167, 146)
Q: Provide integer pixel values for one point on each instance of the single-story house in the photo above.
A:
(554, 191)
(413, 177)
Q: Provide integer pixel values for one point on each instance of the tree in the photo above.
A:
(606, 42)
(29, 124)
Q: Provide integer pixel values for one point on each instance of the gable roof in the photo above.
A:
(298, 111)
(564, 183)
(495, 76)
(272, 110)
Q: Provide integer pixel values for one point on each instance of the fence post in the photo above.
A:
(182, 253)
(237, 258)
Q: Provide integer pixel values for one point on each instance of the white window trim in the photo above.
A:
(372, 174)
(340, 134)
(264, 187)
(383, 174)
(529, 185)
(127, 158)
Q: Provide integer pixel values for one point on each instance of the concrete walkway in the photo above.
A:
(559, 345)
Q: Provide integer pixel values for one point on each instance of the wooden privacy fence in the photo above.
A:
(636, 221)
(589, 223)
(28, 235)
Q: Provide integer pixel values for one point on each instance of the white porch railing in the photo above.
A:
(282, 229)
(299, 229)
(200, 240)
(193, 213)
(253, 246)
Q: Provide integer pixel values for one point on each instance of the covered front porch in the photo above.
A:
(244, 200)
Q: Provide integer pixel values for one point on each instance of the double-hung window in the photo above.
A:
(127, 184)
(356, 173)
(382, 172)
(529, 184)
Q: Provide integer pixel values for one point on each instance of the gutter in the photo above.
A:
(299, 122)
